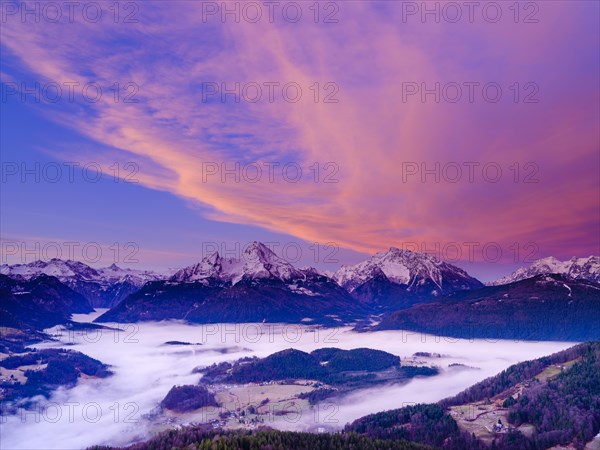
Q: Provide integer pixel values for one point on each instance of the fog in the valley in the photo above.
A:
(123, 408)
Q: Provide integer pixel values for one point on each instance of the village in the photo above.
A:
(248, 406)
(486, 419)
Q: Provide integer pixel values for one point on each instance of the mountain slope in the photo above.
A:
(574, 268)
(545, 307)
(40, 302)
(547, 402)
(246, 301)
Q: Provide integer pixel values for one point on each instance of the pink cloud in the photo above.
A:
(369, 134)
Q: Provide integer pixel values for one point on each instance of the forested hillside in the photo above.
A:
(202, 438)
(563, 409)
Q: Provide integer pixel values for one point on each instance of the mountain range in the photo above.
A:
(103, 287)
(263, 287)
(398, 285)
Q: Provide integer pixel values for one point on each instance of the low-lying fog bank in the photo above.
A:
(117, 410)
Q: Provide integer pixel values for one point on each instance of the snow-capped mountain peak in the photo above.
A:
(261, 262)
(574, 268)
(211, 266)
(257, 261)
(416, 271)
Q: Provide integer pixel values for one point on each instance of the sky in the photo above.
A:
(151, 133)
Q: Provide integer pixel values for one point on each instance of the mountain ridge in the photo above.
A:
(103, 287)
(261, 286)
(544, 307)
